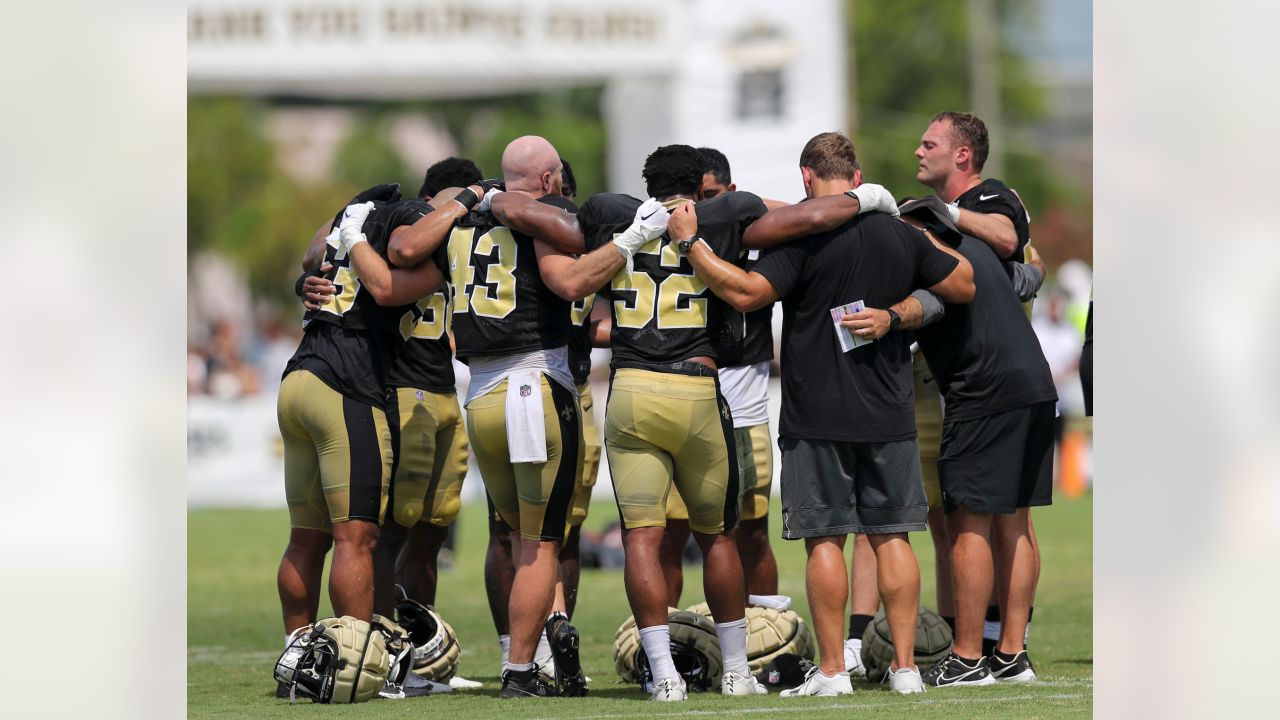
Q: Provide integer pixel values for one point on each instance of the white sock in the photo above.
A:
(657, 647)
(733, 646)
(544, 647)
(991, 630)
(505, 642)
(521, 667)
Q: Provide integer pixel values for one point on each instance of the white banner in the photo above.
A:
(423, 48)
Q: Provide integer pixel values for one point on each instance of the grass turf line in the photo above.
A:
(234, 632)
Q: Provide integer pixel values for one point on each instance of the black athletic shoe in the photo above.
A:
(525, 683)
(564, 648)
(282, 690)
(952, 670)
(1015, 669)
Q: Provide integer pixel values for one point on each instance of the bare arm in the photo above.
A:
(743, 291)
(874, 323)
(536, 219)
(394, 286)
(991, 228)
(424, 237)
(774, 204)
(792, 221)
(574, 278)
(315, 251)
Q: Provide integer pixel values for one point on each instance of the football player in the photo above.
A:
(511, 294)
(666, 419)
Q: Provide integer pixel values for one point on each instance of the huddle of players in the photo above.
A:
(515, 260)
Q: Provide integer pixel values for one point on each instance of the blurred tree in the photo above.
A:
(911, 61)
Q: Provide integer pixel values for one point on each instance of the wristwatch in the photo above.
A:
(684, 246)
(895, 320)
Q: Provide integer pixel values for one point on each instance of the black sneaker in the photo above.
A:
(564, 648)
(282, 690)
(953, 670)
(524, 683)
(1012, 668)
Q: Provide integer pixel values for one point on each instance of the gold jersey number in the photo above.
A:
(494, 295)
(428, 319)
(677, 302)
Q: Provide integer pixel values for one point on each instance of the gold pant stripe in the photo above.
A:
(534, 498)
(337, 454)
(663, 429)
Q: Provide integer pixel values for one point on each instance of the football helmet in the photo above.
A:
(337, 660)
(435, 645)
(770, 634)
(695, 650)
(933, 641)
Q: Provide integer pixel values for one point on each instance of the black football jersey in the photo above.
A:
(994, 197)
(423, 358)
(662, 312)
(350, 342)
(500, 304)
(755, 331)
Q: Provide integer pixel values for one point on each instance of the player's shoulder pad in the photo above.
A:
(559, 201)
(609, 207)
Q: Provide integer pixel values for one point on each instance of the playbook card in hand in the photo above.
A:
(848, 340)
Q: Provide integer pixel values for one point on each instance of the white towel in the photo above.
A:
(777, 602)
(526, 431)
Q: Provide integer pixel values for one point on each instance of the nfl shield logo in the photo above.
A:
(420, 396)
(525, 390)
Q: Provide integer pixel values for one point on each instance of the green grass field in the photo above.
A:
(234, 634)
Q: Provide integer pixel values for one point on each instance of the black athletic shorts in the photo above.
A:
(998, 463)
(836, 488)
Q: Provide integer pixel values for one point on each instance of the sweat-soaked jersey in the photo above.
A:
(349, 342)
(662, 312)
(424, 359)
(500, 303)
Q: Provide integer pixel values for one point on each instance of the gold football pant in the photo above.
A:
(534, 498)
(664, 428)
(430, 441)
(337, 454)
(928, 428)
(591, 458)
(755, 472)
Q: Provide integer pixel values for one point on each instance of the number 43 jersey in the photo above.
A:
(662, 312)
(500, 303)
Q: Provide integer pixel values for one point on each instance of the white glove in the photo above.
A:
(349, 230)
(874, 198)
(649, 224)
(953, 209)
(483, 205)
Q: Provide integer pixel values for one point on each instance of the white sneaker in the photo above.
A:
(820, 685)
(461, 683)
(734, 684)
(669, 690)
(853, 660)
(906, 681)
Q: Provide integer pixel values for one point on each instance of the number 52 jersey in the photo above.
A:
(662, 312)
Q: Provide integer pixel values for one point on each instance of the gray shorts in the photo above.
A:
(837, 488)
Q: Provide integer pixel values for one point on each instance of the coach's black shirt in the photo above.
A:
(984, 354)
(864, 395)
(663, 313)
(501, 305)
(994, 197)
